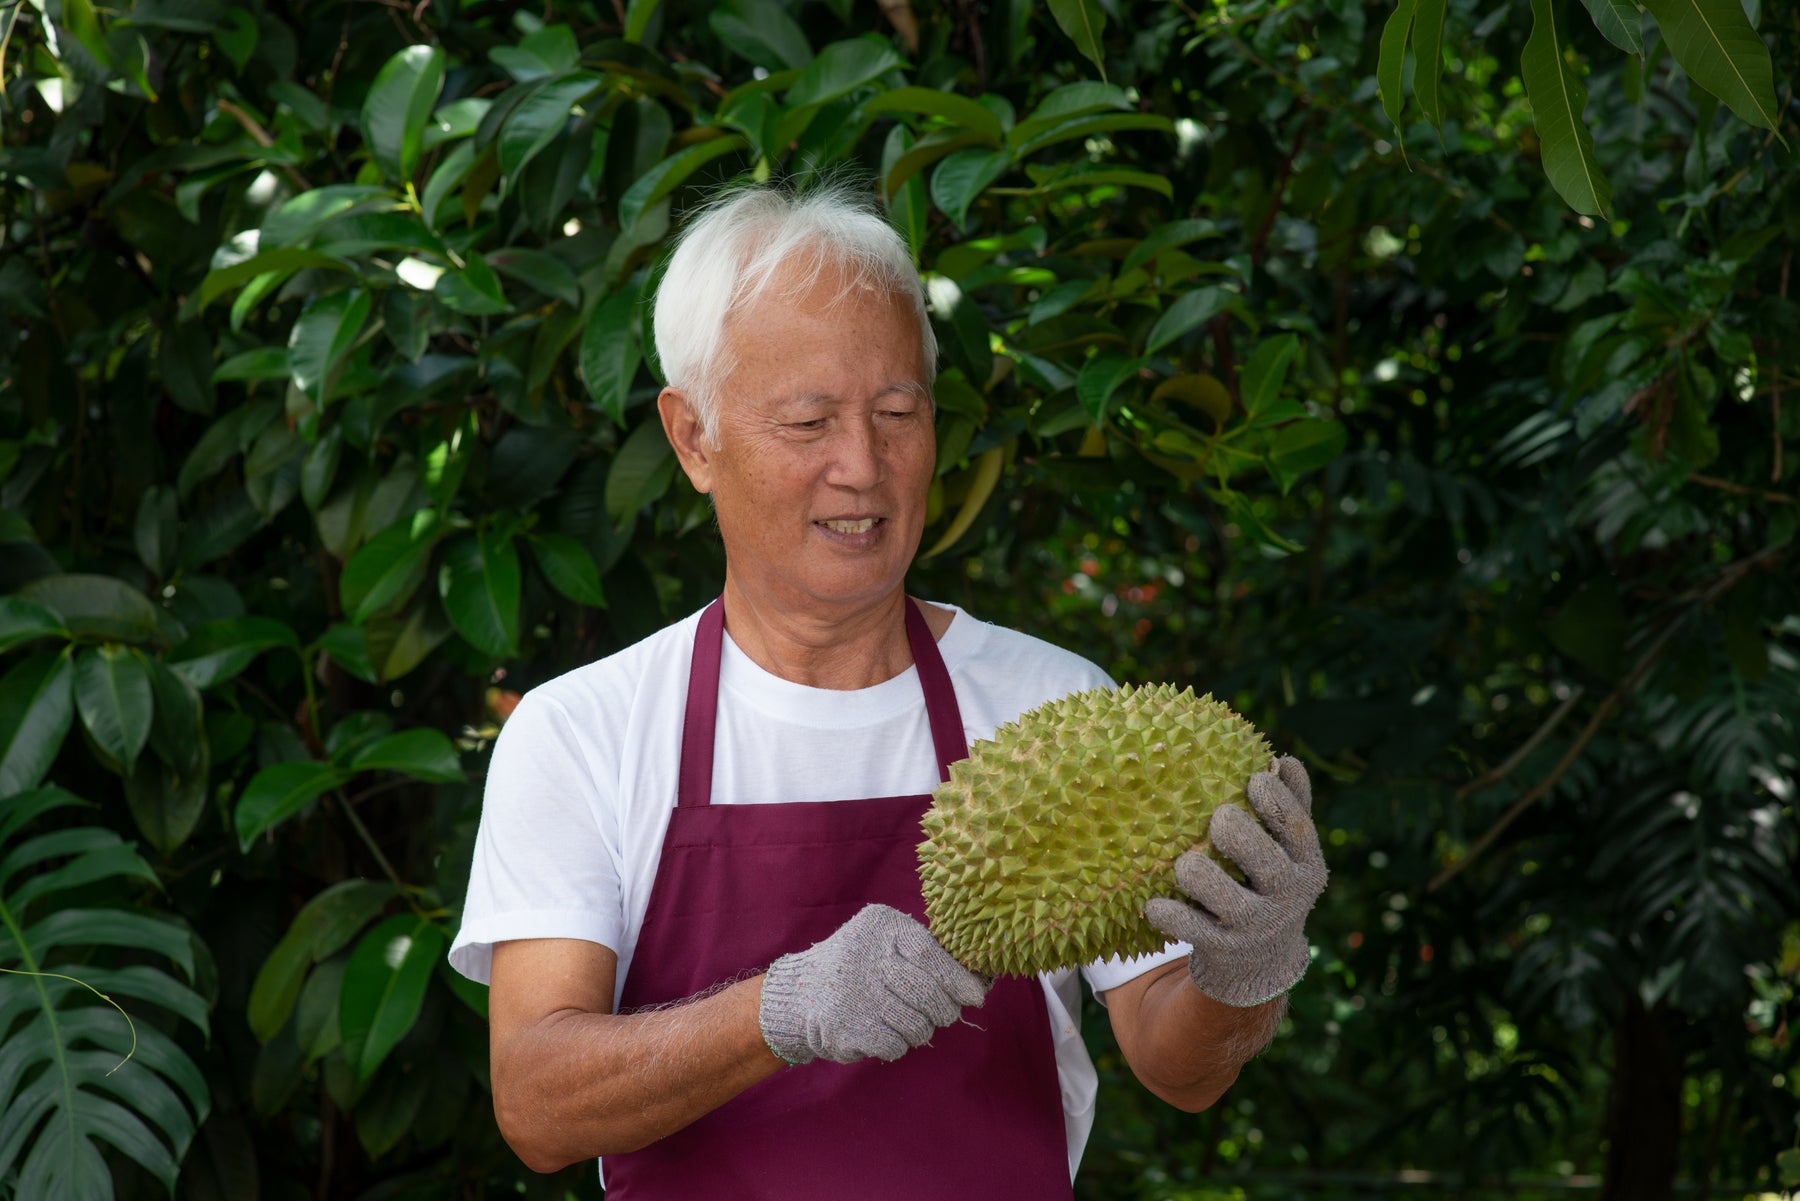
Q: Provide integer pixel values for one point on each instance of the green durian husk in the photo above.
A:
(1043, 846)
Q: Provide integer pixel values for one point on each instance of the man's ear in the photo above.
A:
(686, 435)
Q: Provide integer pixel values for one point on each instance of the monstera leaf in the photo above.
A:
(75, 1073)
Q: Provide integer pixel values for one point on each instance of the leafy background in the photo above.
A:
(1414, 377)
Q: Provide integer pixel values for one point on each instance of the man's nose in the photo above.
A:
(859, 460)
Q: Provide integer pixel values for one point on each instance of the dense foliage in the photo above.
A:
(1412, 377)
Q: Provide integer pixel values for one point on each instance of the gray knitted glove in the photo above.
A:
(1248, 943)
(878, 986)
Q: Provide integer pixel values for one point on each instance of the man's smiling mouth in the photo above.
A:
(860, 525)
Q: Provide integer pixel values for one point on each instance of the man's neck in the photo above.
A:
(857, 649)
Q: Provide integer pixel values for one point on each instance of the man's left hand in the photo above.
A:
(1248, 940)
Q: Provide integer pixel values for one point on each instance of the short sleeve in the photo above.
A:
(544, 866)
(1110, 973)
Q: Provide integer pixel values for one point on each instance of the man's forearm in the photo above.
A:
(1191, 1047)
(576, 1085)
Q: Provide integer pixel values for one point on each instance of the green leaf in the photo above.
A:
(538, 269)
(474, 290)
(1167, 237)
(384, 986)
(36, 709)
(170, 790)
(1721, 51)
(637, 18)
(479, 583)
(398, 105)
(422, 754)
(1590, 627)
(219, 650)
(1557, 101)
(1618, 21)
(22, 620)
(669, 174)
(610, 354)
(761, 31)
(539, 118)
(1428, 59)
(64, 1050)
(640, 472)
(1266, 371)
(97, 607)
(321, 339)
(1083, 21)
(1190, 311)
(1086, 127)
(278, 792)
(570, 568)
(323, 925)
(112, 693)
(389, 567)
(1390, 67)
(842, 67)
(284, 260)
(962, 177)
(263, 363)
(959, 110)
(1100, 377)
(1306, 446)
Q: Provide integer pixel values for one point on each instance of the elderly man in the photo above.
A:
(694, 890)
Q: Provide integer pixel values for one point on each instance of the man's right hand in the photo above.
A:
(879, 986)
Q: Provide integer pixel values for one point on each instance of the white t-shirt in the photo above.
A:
(584, 776)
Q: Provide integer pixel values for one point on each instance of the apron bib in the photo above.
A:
(975, 1113)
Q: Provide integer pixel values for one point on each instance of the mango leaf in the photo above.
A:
(422, 754)
(640, 472)
(474, 290)
(1390, 67)
(1083, 21)
(36, 710)
(265, 362)
(112, 693)
(169, 790)
(398, 105)
(1266, 372)
(219, 650)
(1618, 22)
(389, 567)
(97, 606)
(321, 339)
(960, 178)
(282, 261)
(539, 118)
(323, 925)
(1557, 102)
(1428, 59)
(22, 620)
(1591, 627)
(1305, 446)
(538, 269)
(959, 110)
(669, 174)
(384, 986)
(479, 583)
(1100, 377)
(1721, 51)
(569, 566)
(761, 31)
(73, 1053)
(1188, 313)
(610, 354)
(278, 792)
(1070, 100)
(1167, 237)
(843, 67)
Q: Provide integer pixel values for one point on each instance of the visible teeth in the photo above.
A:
(850, 527)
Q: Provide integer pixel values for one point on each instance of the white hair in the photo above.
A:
(731, 251)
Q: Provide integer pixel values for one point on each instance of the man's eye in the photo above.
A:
(816, 423)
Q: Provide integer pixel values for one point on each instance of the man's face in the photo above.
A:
(826, 447)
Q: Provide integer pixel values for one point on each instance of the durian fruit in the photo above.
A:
(1044, 844)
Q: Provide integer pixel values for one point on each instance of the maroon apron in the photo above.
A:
(975, 1113)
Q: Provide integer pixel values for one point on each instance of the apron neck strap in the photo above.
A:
(700, 725)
